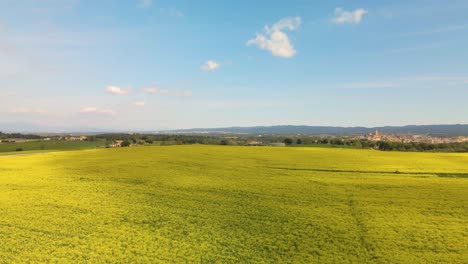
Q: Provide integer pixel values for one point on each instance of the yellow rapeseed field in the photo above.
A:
(206, 204)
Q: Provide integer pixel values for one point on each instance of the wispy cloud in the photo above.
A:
(247, 104)
(437, 30)
(144, 3)
(139, 103)
(97, 110)
(26, 110)
(151, 90)
(116, 90)
(167, 92)
(384, 84)
(182, 93)
(210, 65)
(352, 17)
(416, 81)
(422, 47)
(275, 40)
(448, 79)
(173, 12)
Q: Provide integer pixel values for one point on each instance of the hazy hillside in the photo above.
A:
(438, 130)
(442, 130)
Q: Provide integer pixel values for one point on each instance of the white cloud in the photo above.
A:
(291, 23)
(145, 3)
(139, 103)
(97, 110)
(353, 17)
(275, 39)
(116, 90)
(210, 66)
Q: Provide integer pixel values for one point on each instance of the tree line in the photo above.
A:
(293, 140)
(241, 140)
(18, 135)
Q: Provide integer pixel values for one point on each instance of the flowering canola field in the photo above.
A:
(223, 204)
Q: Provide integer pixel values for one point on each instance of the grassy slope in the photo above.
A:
(50, 145)
(231, 204)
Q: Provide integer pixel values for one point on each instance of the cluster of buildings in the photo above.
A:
(378, 136)
(71, 138)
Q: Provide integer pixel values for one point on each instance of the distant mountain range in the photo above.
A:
(434, 130)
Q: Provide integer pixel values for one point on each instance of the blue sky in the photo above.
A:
(157, 64)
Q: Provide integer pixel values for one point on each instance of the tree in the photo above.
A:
(337, 141)
(125, 143)
(224, 142)
(299, 141)
(288, 141)
(356, 143)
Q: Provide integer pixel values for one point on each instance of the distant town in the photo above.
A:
(379, 136)
(376, 140)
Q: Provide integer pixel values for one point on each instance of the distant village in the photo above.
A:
(401, 138)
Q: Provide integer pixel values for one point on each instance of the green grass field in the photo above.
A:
(206, 204)
(38, 145)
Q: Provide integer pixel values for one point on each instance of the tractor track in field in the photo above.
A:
(439, 174)
(362, 231)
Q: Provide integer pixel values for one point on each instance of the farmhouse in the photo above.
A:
(117, 144)
(280, 144)
(255, 143)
